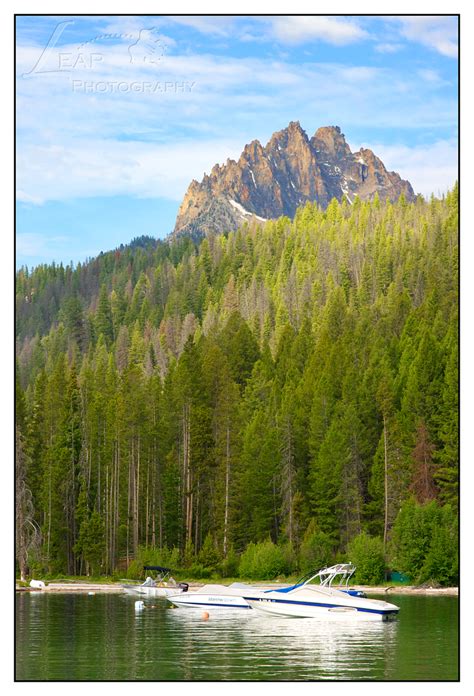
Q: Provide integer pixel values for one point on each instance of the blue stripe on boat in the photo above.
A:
(328, 606)
(212, 604)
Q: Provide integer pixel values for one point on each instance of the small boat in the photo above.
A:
(238, 595)
(323, 602)
(218, 596)
(162, 585)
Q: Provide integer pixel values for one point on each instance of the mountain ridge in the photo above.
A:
(273, 180)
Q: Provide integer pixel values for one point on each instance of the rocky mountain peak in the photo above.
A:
(252, 152)
(329, 140)
(275, 180)
(292, 134)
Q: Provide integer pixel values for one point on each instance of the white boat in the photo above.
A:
(218, 596)
(161, 586)
(238, 595)
(323, 602)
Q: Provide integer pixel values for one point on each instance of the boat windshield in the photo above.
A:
(326, 576)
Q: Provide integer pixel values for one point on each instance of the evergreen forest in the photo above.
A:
(257, 403)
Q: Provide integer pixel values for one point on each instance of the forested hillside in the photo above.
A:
(295, 381)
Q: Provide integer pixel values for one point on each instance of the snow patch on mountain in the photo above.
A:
(243, 212)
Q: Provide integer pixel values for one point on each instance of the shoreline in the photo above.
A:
(107, 588)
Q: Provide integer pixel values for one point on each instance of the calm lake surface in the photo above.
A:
(101, 637)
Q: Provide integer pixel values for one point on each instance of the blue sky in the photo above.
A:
(116, 115)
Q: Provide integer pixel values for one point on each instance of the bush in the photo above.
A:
(247, 561)
(263, 561)
(172, 558)
(411, 537)
(188, 556)
(424, 543)
(229, 567)
(209, 556)
(134, 570)
(442, 561)
(367, 554)
(289, 557)
(199, 571)
(150, 555)
(316, 549)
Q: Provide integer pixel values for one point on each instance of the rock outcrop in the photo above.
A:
(274, 180)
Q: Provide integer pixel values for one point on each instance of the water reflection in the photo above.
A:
(101, 637)
(288, 648)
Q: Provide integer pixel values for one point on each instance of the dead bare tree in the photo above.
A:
(27, 532)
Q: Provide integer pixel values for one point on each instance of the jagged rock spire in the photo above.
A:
(274, 180)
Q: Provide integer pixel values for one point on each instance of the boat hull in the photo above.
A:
(143, 590)
(194, 600)
(320, 611)
(212, 596)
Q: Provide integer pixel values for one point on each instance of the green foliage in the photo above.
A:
(199, 571)
(442, 561)
(188, 556)
(247, 560)
(235, 389)
(411, 537)
(261, 561)
(229, 566)
(208, 555)
(90, 543)
(240, 347)
(424, 542)
(367, 554)
(316, 550)
(150, 555)
(103, 317)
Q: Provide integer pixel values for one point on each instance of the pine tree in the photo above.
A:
(240, 347)
(244, 386)
(447, 456)
(103, 318)
(74, 321)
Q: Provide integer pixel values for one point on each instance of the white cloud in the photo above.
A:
(297, 29)
(92, 167)
(388, 47)
(32, 244)
(359, 73)
(80, 143)
(431, 76)
(24, 197)
(107, 167)
(219, 26)
(438, 33)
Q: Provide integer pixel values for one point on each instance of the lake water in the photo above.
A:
(102, 637)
